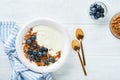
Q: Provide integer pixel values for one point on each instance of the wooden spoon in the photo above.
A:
(80, 36)
(76, 47)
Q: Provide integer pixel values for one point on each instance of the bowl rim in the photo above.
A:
(45, 69)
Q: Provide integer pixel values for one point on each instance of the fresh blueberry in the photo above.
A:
(30, 52)
(39, 54)
(46, 61)
(31, 57)
(93, 10)
(37, 59)
(51, 59)
(98, 15)
(101, 10)
(99, 7)
(29, 41)
(46, 49)
(90, 13)
(33, 37)
(95, 17)
(41, 49)
(35, 52)
(102, 15)
(34, 46)
(44, 53)
(92, 5)
(95, 5)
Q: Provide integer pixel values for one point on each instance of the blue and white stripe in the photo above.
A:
(8, 33)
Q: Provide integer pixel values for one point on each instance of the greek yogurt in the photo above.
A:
(49, 37)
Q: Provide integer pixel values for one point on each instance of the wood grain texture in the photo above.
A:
(101, 47)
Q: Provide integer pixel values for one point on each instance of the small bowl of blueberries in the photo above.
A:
(98, 11)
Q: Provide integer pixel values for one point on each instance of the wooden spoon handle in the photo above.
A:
(83, 55)
(83, 67)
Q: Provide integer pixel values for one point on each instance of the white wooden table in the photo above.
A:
(102, 49)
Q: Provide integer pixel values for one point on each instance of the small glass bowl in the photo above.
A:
(115, 25)
(105, 11)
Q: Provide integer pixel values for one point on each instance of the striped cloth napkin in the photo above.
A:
(8, 33)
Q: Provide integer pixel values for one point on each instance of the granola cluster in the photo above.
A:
(115, 26)
(38, 53)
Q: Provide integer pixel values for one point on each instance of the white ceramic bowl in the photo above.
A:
(33, 66)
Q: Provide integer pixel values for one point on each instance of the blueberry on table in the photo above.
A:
(30, 52)
(39, 54)
(29, 41)
(31, 57)
(35, 52)
(44, 53)
(34, 46)
(33, 37)
(46, 61)
(51, 59)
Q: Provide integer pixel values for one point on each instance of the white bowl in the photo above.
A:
(33, 66)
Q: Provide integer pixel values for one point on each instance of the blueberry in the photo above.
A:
(101, 10)
(40, 54)
(102, 15)
(29, 41)
(31, 57)
(37, 59)
(95, 5)
(41, 49)
(98, 15)
(30, 52)
(93, 10)
(46, 61)
(44, 53)
(99, 7)
(35, 52)
(90, 13)
(34, 46)
(95, 17)
(46, 49)
(51, 59)
(33, 37)
(92, 6)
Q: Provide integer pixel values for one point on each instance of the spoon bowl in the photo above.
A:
(75, 45)
(79, 34)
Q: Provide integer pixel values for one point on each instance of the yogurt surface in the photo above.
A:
(49, 37)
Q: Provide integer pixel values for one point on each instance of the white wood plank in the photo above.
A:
(98, 68)
(5, 74)
(98, 39)
(66, 11)
(5, 68)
